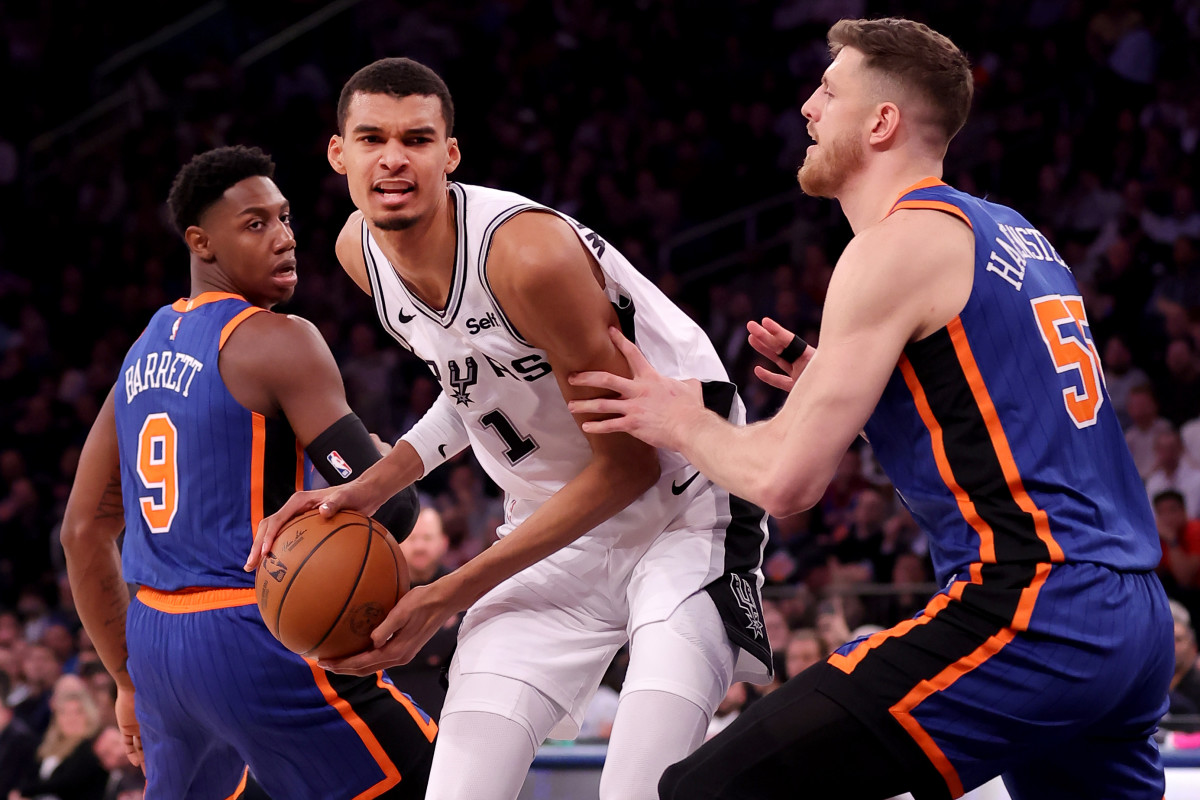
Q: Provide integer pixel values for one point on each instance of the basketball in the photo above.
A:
(327, 583)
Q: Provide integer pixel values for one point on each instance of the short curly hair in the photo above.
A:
(398, 77)
(205, 178)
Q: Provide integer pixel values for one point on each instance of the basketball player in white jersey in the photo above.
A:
(606, 540)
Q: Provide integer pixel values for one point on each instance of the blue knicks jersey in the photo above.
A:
(198, 469)
(996, 430)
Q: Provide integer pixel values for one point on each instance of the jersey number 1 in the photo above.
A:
(157, 466)
(1061, 321)
(516, 446)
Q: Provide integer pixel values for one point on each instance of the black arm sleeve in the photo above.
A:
(342, 452)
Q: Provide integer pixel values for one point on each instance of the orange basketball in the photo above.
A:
(327, 583)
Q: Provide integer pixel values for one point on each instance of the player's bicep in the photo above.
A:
(550, 292)
(94, 507)
(303, 377)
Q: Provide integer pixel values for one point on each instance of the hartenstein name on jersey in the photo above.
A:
(1020, 245)
(165, 370)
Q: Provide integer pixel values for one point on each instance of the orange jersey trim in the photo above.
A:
(185, 601)
(241, 787)
(299, 467)
(1041, 522)
(242, 316)
(258, 461)
(902, 711)
(188, 303)
(257, 469)
(924, 183)
(847, 663)
(429, 728)
(987, 538)
(391, 774)
(934, 205)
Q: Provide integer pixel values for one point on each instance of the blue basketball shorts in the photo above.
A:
(216, 693)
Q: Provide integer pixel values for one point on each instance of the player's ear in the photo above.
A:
(199, 243)
(334, 153)
(884, 123)
(453, 156)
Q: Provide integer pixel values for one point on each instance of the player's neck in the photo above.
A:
(868, 196)
(423, 255)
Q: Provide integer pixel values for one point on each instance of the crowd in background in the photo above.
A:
(641, 119)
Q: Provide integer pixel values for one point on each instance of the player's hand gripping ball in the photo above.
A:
(327, 583)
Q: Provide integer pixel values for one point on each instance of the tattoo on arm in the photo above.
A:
(110, 505)
(115, 588)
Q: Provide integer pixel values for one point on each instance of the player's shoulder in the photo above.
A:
(534, 248)
(268, 336)
(913, 239)
(349, 250)
(350, 236)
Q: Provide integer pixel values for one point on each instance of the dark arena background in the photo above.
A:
(671, 128)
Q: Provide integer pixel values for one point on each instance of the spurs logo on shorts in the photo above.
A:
(744, 593)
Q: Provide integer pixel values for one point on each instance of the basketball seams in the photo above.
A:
(362, 565)
(342, 591)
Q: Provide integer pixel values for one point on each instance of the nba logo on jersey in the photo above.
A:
(175, 328)
(339, 464)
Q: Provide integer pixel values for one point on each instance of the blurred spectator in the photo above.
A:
(481, 512)
(837, 504)
(1179, 537)
(18, 744)
(1185, 683)
(1179, 389)
(1173, 470)
(39, 672)
(67, 765)
(1121, 375)
(424, 548)
(109, 747)
(1144, 426)
(1189, 434)
(832, 626)
(1183, 220)
(911, 579)
(858, 546)
(803, 650)
(368, 371)
(103, 689)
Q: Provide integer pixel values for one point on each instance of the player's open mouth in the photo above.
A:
(286, 272)
(390, 189)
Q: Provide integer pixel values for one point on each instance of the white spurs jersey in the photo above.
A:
(515, 416)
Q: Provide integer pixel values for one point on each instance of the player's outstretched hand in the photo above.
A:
(773, 341)
(329, 501)
(421, 612)
(131, 732)
(648, 406)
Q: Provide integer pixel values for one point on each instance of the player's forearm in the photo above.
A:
(755, 462)
(101, 600)
(393, 473)
(596, 494)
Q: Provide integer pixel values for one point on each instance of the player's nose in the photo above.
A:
(393, 156)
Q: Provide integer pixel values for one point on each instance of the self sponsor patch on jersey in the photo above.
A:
(339, 463)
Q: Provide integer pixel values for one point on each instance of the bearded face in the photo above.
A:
(827, 165)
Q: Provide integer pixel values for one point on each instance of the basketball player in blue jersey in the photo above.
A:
(221, 410)
(606, 541)
(955, 339)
